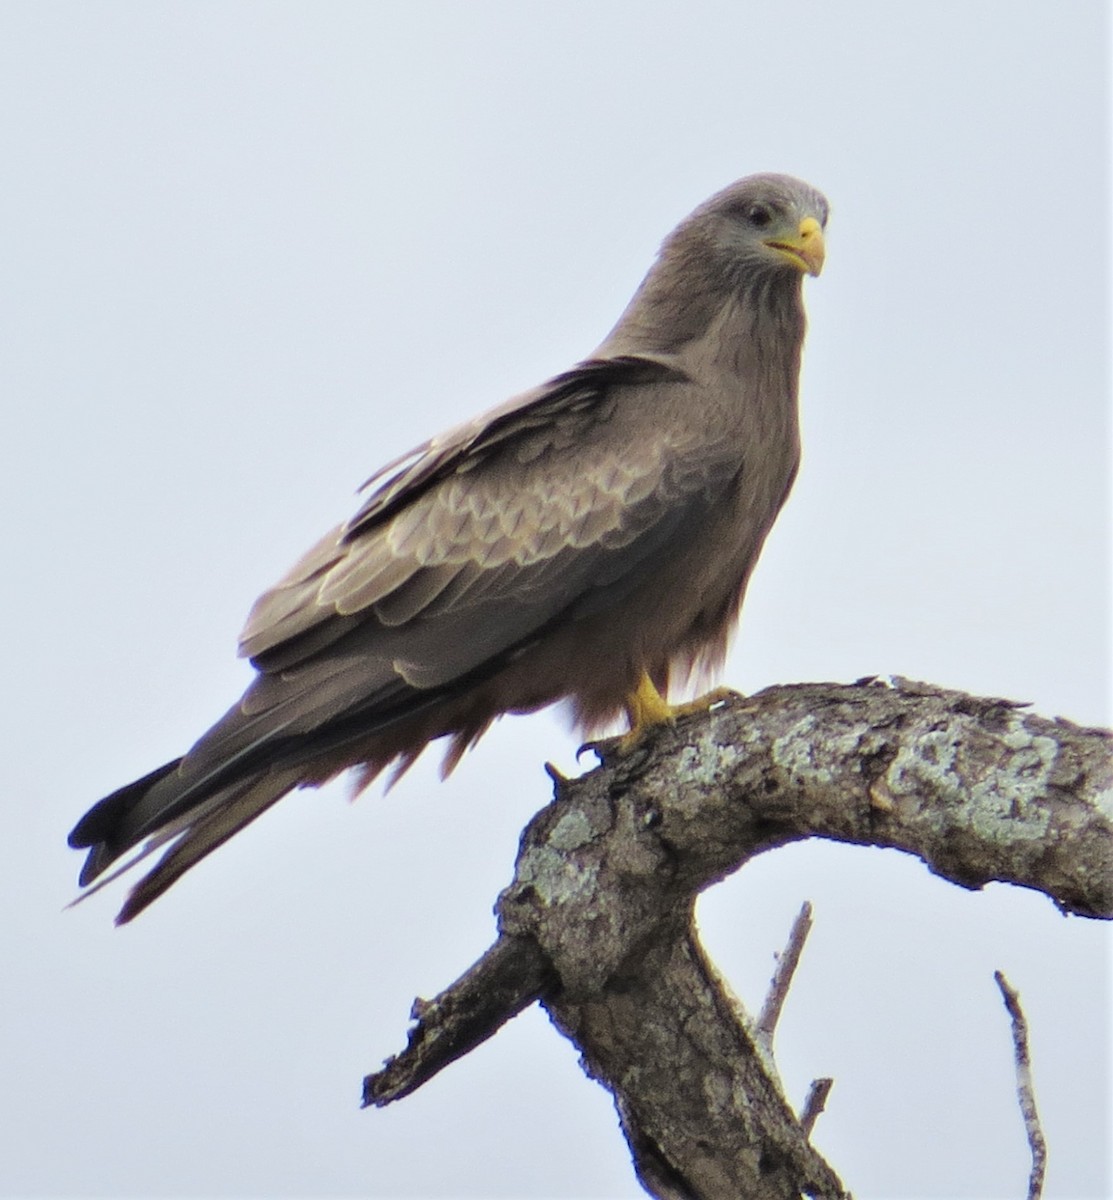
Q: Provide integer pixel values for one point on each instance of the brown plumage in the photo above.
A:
(586, 541)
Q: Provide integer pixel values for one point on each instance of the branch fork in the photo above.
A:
(597, 924)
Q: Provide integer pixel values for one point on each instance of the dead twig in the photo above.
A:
(766, 1025)
(1025, 1093)
(787, 963)
(814, 1103)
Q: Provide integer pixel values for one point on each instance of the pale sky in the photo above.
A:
(250, 251)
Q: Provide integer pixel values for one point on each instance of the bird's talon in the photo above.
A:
(604, 749)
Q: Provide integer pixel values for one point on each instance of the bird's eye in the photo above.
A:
(758, 216)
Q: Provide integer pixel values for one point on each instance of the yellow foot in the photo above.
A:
(647, 709)
(706, 702)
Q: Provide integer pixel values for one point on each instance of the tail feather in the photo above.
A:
(107, 828)
(155, 842)
(204, 830)
(162, 808)
(192, 805)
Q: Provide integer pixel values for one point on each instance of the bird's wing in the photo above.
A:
(495, 510)
(565, 405)
(552, 509)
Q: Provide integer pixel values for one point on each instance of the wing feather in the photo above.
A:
(556, 505)
(415, 595)
(362, 580)
(584, 390)
(436, 510)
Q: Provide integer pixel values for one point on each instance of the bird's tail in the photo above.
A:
(138, 813)
(115, 824)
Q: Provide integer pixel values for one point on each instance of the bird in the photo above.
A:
(589, 541)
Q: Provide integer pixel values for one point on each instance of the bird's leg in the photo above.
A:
(646, 708)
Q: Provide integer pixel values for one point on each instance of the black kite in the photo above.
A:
(583, 542)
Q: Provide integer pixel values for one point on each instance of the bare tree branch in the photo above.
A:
(598, 920)
(1025, 1092)
(787, 963)
(814, 1103)
(508, 978)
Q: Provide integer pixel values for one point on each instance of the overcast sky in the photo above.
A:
(250, 251)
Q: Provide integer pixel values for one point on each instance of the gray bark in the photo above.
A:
(598, 923)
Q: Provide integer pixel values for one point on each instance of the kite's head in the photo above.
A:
(746, 251)
(765, 223)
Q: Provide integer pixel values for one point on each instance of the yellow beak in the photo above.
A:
(806, 251)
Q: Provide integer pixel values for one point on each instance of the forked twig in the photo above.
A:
(766, 1024)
